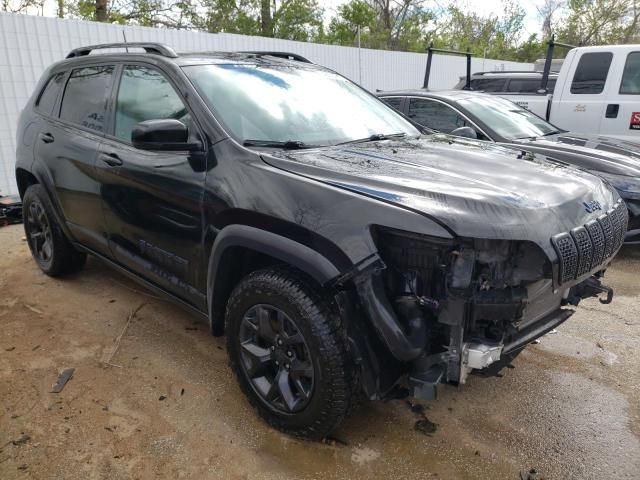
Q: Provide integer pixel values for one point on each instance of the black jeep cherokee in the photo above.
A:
(339, 249)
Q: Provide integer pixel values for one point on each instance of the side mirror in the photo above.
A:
(164, 134)
(466, 132)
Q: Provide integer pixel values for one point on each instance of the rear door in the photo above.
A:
(622, 110)
(153, 199)
(67, 146)
(580, 104)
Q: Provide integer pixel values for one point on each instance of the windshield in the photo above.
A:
(507, 119)
(269, 103)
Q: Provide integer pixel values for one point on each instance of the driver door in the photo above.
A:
(152, 200)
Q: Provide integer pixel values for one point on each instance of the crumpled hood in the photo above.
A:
(597, 153)
(476, 189)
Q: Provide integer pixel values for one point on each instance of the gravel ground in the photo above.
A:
(168, 406)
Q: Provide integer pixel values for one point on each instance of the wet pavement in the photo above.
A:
(168, 406)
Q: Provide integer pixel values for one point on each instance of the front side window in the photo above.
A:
(49, 95)
(85, 97)
(630, 84)
(435, 115)
(394, 102)
(507, 119)
(145, 94)
(274, 103)
(591, 74)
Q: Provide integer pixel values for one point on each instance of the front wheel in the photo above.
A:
(289, 352)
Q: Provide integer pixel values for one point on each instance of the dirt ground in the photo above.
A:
(170, 408)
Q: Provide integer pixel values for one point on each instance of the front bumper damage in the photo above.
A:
(443, 310)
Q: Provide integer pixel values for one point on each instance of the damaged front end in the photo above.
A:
(444, 308)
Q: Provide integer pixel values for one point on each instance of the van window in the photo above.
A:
(49, 95)
(145, 94)
(488, 84)
(591, 73)
(630, 84)
(524, 85)
(85, 97)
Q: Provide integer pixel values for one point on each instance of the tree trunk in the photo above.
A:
(265, 18)
(101, 10)
(60, 8)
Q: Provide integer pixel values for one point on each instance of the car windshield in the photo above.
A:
(266, 104)
(507, 119)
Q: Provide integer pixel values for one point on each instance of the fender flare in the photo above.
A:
(314, 264)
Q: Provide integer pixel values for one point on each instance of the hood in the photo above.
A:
(477, 189)
(591, 152)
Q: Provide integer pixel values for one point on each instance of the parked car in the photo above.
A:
(486, 117)
(507, 82)
(339, 250)
(596, 92)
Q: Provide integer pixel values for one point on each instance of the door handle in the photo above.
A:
(46, 137)
(111, 159)
(612, 110)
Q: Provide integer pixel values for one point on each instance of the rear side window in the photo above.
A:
(528, 85)
(85, 97)
(47, 99)
(551, 85)
(630, 84)
(393, 102)
(591, 74)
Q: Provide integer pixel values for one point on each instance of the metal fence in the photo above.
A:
(28, 44)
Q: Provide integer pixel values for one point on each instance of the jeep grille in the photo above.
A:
(585, 248)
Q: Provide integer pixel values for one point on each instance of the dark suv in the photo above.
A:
(339, 249)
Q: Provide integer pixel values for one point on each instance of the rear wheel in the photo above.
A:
(49, 247)
(289, 352)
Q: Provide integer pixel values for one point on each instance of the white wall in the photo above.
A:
(28, 44)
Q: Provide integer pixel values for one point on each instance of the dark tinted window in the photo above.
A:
(85, 97)
(435, 115)
(524, 85)
(49, 95)
(551, 85)
(395, 102)
(145, 94)
(591, 73)
(488, 84)
(631, 75)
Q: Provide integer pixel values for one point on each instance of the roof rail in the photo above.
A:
(508, 71)
(155, 48)
(285, 55)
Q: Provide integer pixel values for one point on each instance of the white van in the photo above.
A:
(597, 91)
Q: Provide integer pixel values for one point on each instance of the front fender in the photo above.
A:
(276, 246)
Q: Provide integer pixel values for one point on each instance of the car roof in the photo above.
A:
(451, 95)
(507, 73)
(163, 54)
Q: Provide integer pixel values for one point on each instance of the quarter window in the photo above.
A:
(85, 97)
(630, 84)
(591, 74)
(435, 115)
(49, 95)
(145, 94)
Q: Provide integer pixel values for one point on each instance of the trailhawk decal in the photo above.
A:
(635, 121)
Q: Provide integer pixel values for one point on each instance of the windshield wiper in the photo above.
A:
(287, 144)
(374, 138)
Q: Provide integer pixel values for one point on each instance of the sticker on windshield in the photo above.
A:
(635, 121)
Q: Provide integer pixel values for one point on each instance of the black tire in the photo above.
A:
(332, 389)
(49, 246)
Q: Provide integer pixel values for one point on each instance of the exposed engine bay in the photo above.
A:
(450, 307)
